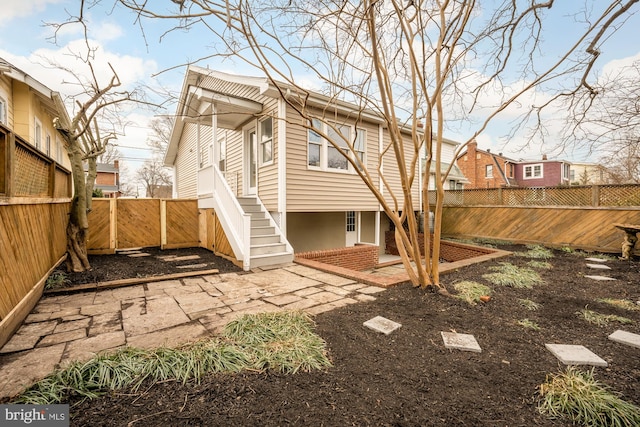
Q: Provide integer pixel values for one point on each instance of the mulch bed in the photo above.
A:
(408, 378)
(107, 268)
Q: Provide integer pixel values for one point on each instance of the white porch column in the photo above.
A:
(282, 165)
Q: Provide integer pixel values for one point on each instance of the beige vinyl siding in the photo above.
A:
(310, 190)
(22, 119)
(392, 174)
(268, 174)
(186, 163)
(308, 231)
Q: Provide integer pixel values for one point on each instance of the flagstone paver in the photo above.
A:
(575, 355)
(600, 278)
(85, 349)
(599, 266)
(64, 328)
(382, 324)
(595, 259)
(20, 370)
(627, 338)
(464, 342)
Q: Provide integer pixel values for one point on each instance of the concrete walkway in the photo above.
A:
(66, 328)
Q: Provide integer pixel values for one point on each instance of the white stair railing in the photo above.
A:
(235, 222)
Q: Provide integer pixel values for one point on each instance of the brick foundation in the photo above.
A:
(449, 251)
(358, 258)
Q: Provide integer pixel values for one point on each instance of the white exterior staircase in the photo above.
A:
(268, 245)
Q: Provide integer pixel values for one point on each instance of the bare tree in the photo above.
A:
(154, 175)
(87, 135)
(408, 63)
(609, 123)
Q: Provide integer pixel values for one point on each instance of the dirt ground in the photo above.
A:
(408, 378)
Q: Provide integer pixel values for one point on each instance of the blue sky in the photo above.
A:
(24, 39)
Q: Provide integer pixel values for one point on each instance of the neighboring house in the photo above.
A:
(485, 169)
(238, 147)
(107, 179)
(28, 109)
(587, 174)
(542, 173)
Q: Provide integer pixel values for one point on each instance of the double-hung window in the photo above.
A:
(315, 144)
(532, 171)
(360, 144)
(3, 111)
(324, 155)
(266, 141)
(37, 134)
(488, 172)
(340, 135)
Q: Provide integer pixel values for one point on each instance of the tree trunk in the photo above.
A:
(77, 259)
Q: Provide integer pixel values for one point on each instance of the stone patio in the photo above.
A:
(66, 328)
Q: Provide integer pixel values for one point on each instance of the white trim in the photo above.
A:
(37, 125)
(246, 158)
(376, 239)
(282, 164)
(532, 166)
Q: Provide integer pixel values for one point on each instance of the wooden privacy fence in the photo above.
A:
(575, 227)
(583, 195)
(131, 223)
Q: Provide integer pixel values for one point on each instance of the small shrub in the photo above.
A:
(600, 319)
(576, 395)
(528, 304)
(625, 304)
(567, 250)
(513, 276)
(57, 279)
(471, 291)
(528, 324)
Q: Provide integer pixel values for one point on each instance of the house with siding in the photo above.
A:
(30, 146)
(276, 185)
(485, 169)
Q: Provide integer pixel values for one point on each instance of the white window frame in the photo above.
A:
(58, 150)
(488, 171)
(37, 133)
(532, 170)
(324, 146)
(265, 141)
(47, 144)
(3, 112)
(360, 145)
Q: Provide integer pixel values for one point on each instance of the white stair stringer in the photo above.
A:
(268, 244)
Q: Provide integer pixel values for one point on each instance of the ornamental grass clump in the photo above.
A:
(528, 304)
(282, 341)
(600, 319)
(577, 396)
(528, 324)
(536, 251)
(471, 291)
(513, 276)
(625, 304)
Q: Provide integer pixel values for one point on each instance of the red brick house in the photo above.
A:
(108, 179)
(485, 169)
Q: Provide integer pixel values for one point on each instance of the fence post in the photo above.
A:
(10, 164)
(595, 195)
(163, 223)
(500, 200)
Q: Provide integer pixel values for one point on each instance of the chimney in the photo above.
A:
(116, 164)
(544, 157)
(488, 150)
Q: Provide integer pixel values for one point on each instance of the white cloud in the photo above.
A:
(20, 8)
